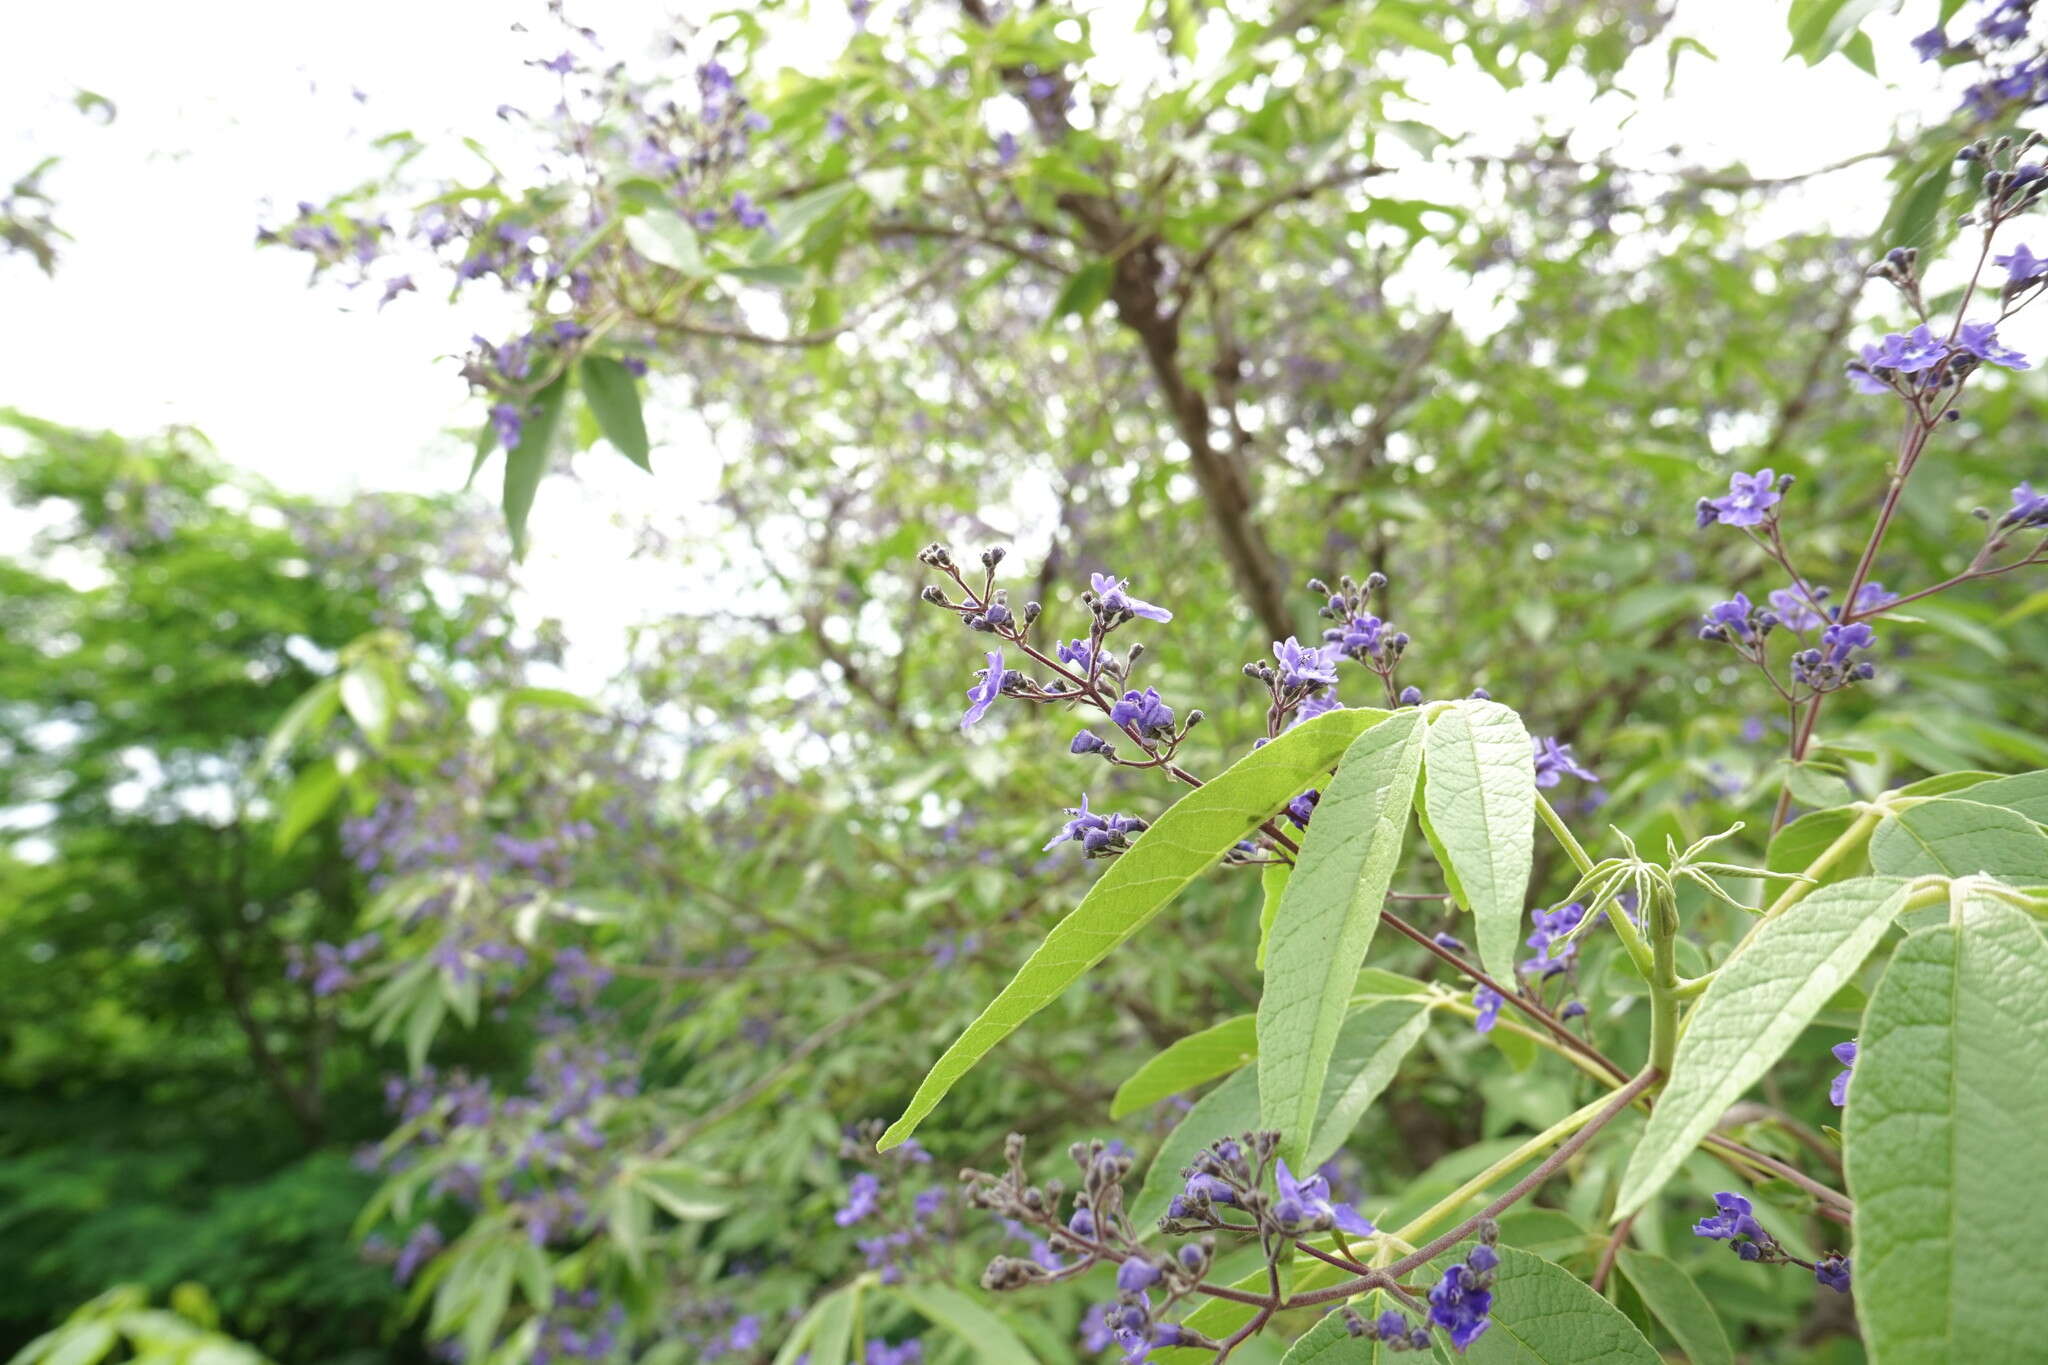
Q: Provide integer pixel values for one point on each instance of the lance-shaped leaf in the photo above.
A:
(1958, 837)
(1193, 834)
(824, 1336)
(1761, 999)
(526, 462)
(1675, 1300)
(614, 396)
(988, 1338)
(1195, 1059)
(1370, 1049)
(1326, 920)
(1479, 793)
(1947, 1132)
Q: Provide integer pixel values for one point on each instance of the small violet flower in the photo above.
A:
(1554, 763)
(1748, 500)
(1832, 1270)
(863, 1197)
(1489, 1002)
(1300, 667)
(1838, 1089)
(1462, 1299)
(1111, 600)
(1307, 1202)
(1735, 1225)
(1143, 712)
(983, 694)
(1980, 339)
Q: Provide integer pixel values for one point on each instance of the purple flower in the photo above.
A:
(1931, 44)
(1841, 641)
(396, 285)
(1729, 619)
(1200, 1189)
(1143, 712)
(1871, 596)
(1095, 1331)
(1111, 600)
(506, 422)
(1980, 339)
(983, 694)
(1446, 941)
(863, 1198)
(1911, 352)
(880, 1352)
(1307, 1202)
(1551, 926)
(1088, 742)
(1136, 1275)
(1489, 1002)
(1411, 696)
(1733, 1223)
(1320, 704)
(2004, 23)
(1360, 637)
(2028, 508)
(746, 213)
(1832, 1270)
(1097, 834)
(1838, 1090)
(1555, 762)
(1006, 148)
(1795, 608)
(561, 65)
(1748, 499)
(1462, 1299)
(1302, 807)
(1078, 655)
(419, 1248)
(1301, 667)
(2022, 266)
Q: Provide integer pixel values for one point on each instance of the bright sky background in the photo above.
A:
(164, 312)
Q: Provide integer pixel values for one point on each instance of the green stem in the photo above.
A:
(1563, 835)
(1478, 1184)
(1632, 939)
(1663, 981)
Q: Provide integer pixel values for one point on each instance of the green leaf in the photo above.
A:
(367, 698)
(1479, 792)
(310, 712)
(614, 396)
(310, 797)
(526, 462)
(1675, 1300)
(1370, 1049)
(1230, 1109)
(1182, 844)
(1759, 1002)
(1958, 838)
(1084, 292)
(681, 1193)
(826, 1331)
(1194, 1060)
(1946, 1116)
(987, 1336)
(80, 1343)
(1272, 882)
(1794, 848)
(1911, 220)
(666, 239)
(1820, 28)
(2026, 793)
(1326, 920)
(1545, 1315)
(1815, 784)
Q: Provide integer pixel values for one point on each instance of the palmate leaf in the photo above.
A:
(1326, 921)
(1193, 834)
(1947, 1133)
(1761, 999)
(1479, 794)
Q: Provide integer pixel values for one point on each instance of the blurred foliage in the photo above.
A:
(1244, 310)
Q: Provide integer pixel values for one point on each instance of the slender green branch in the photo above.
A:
(1562, 833)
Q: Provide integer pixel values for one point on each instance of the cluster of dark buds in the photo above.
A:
(1079, 671)
(1734, 1222)
(1360, 635)
(1828, 666)
(1231, 1174)
(1094, 1232)
(2012, 184)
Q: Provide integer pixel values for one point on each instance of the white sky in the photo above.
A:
(164, 312)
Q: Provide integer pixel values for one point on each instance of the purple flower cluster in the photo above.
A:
(1100, 836)
(1555, 762)
(1463, 1298)
(1919, 360)
(1734, 1222)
